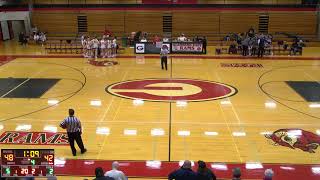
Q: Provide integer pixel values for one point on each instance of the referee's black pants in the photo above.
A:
(260, 51)
(164, 62)
(75, 136)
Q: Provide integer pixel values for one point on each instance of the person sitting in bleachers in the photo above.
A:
(204, 173)
(43, 38)
(100, 176)
(236, 174)
(36, 38)
(233, 48)
(268, 174)
(182, 38)
(184, 173)
(143, 39)
(251, 32)
(294, 48)
(115, 173)
(156, 39)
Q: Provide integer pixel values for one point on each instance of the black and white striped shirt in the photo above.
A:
(72, 123)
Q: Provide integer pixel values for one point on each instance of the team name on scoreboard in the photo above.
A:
(34, 138)
(242, 65)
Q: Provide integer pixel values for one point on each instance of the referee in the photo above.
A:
(164, 56)
(73, 126)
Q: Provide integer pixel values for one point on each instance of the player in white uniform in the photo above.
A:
(89, 47)
(43, 38)
(103, 47)
(109, 42)
(95, 46)
(84, 46)
(114, 47)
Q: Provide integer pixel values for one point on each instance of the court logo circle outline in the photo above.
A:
(233, 90)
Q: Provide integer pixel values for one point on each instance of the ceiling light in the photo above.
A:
(315, 170)
(103, 130)
(254, 165)
(153, 164)
(225, 102)
(238, 134)
(181, 103)
(138, 102)
(183, 133)
(219, 166)
(23, 127)
(315, 105)
(157, 132)
(210, 133)
(130, 132)
(50, 128)
(96, 103)
(270, 104)
(53, 102)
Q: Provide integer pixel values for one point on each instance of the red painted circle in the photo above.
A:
(149, 89)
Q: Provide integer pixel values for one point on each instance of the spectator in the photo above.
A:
(236, 174)
(261, 46)
(156, 39)
(294, 48)
(251, 32)
(245, 46)
(204, 43)
(268, 174)
(184, 173)
(100, 176)
(143, 39)
(43, 38)
(165, 39)
(233, 48)
(137, 37)
(182, 38)
(107, 32)
(115, 173)
(204, 173)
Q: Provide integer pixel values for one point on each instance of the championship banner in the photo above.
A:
(187, 47)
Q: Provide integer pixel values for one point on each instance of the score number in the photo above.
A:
(25, 171)
(49, 157)
(8, 157)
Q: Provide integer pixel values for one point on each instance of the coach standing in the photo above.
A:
(164, 56)
(73, 126)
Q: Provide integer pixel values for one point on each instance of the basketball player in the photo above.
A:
(109, 42)
(89, 47)
(114, 47)
(164, 56)
(103, 46)
(95, 46)
(84, 46)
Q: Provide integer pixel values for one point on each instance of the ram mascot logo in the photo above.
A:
(295, 138)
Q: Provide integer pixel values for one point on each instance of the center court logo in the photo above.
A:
(171, 90)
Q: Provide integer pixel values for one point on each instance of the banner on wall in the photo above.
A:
(34, 138)
(187, 47)
(140, 48)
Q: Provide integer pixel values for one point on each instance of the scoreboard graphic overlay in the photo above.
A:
(27, 162)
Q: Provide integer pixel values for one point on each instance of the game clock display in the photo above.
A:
(27, 162)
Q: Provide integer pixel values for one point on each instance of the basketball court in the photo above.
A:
(218, 109)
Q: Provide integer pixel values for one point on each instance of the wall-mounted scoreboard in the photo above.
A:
(27, 162)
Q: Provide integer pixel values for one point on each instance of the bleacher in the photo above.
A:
(212, 24)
